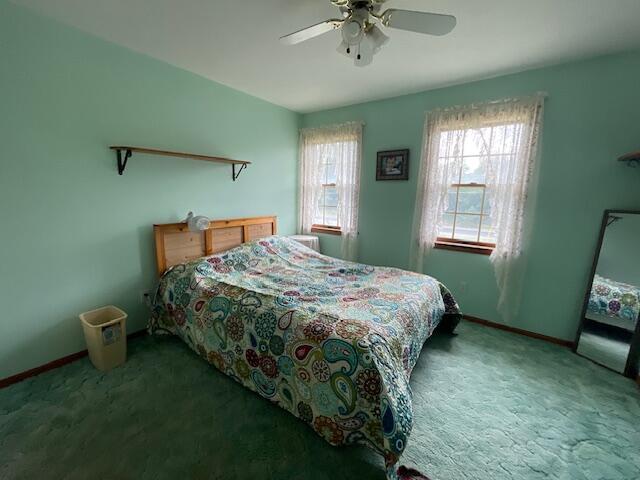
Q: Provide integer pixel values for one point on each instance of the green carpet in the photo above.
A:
(488, 405)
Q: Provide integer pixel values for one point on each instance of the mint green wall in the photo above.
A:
(592, 116)
(74, 234)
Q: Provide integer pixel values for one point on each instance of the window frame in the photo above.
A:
(317, 228)
(482, 248)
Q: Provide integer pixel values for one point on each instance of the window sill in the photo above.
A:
(464, 247)
(329, 230)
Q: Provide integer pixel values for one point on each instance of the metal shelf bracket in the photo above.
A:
(122, 162)
(235, 175)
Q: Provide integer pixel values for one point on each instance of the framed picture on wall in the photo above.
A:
(393, 165)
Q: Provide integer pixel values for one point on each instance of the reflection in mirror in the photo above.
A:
(609, 333)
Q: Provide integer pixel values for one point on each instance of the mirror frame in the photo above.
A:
(631, 367)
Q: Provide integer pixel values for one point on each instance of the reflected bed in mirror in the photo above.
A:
(609, 331)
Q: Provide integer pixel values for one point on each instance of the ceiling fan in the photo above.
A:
(361, 37)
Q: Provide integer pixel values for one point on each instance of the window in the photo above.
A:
(474, 175)
(467, 223)
(330, 181)
(475, 171)
(325, 216)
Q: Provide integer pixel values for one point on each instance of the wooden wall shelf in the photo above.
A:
(129, 150)
(632, 159)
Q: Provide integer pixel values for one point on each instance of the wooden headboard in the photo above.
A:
(176, 244)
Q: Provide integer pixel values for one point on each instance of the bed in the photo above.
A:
(332, 342)
(614, 303)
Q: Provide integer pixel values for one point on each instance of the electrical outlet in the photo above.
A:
(145, 297)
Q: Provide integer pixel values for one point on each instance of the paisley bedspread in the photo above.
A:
(614, 299)
(332, 342)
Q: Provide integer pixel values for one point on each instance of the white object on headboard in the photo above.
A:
(197, 223)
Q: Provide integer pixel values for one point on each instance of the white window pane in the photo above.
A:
(451, 143)
(487, 232)
(323, 172)
(505, 138)
(318, 216)
(476, 141)
(330, 173)
(331, 196)
(497, 163)
(331, 216)
(446, 229)
(450, 205)
(498, 140)
(444, 141)
(470, 199)
(474, 169)
(488, 202)
(467, 227)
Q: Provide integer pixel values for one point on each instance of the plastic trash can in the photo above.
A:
(105, 331)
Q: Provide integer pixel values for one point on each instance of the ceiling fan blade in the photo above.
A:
(419, 22)
(310, 32)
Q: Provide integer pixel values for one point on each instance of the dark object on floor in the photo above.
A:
(448, 323)
(410, 474)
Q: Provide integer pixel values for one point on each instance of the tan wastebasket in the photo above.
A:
(105, 331)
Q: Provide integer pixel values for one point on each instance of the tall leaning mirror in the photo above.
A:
(609, 332)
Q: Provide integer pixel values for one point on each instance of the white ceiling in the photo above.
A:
(236, 42)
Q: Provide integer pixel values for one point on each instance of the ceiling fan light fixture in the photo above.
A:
(362, 53)
(377, 38)
(361, 37)
(352, 31)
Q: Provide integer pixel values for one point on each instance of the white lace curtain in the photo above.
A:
(507, 181)
(343, 145)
